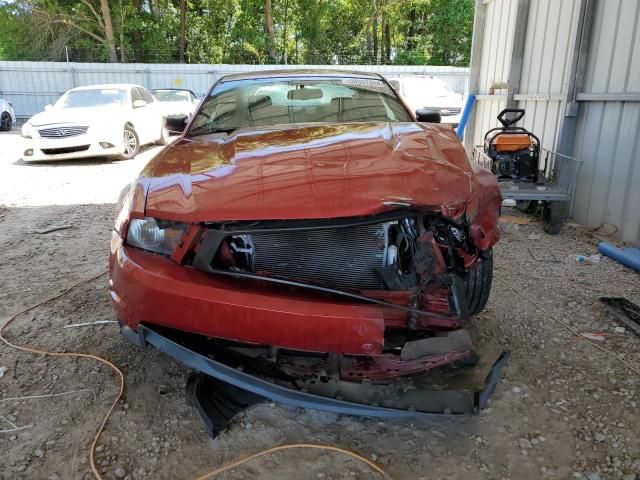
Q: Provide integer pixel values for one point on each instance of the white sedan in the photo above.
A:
(97, 120)
(176, 101)
(426, 92)
(7, 116)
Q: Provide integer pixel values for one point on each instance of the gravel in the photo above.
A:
(558, 390)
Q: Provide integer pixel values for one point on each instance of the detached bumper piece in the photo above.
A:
(252, 381)
(217, 402)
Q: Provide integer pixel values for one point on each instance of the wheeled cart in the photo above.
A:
(556, 192)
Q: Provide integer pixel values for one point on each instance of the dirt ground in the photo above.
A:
(564, 410)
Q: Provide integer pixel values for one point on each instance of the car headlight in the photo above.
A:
(155, 235)
(27, 130)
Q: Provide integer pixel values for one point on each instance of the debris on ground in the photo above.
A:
(624, 311)
(590, 260)
(52, 229)
(598, 337)
(515, 219)
(543, 255)
(88, 324)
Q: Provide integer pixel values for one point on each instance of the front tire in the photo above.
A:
(6, 122)
(478, 282)
(131, 143)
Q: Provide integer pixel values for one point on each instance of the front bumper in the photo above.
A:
(333, 396)
(52, 149)
(151, 288)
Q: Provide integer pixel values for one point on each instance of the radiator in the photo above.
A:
(335, 257)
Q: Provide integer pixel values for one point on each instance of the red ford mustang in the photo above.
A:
(308, 213)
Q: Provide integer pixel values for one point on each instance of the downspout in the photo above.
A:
(569, 121)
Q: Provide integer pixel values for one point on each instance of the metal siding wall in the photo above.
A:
(607, 138)
(546, 65)
(498, 36)
(496, 59)
(31, 85)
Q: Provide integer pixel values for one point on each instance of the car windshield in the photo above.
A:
(92, 98)
(280, 101)
(171, 95)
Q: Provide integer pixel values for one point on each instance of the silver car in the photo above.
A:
(7, 115)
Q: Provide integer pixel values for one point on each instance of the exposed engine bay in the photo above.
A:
(411, 253)
(415, 267)
(382, 256)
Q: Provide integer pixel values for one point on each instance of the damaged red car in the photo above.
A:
(310, 220)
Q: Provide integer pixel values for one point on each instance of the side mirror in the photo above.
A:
(427, 115)
(139, 103)
(395, 84)
(175, 123)
(48, 106)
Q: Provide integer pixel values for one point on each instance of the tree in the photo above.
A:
(183, 27)
(450, 26)
(270, 29)
(84, 16)
(107, 26)
(239, 31)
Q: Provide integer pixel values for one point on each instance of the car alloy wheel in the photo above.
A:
(131, 143)
(5, 122)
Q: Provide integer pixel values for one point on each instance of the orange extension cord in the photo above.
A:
(229, 466)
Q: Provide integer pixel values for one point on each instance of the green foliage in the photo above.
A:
(412, 57)
(451, 24)
(415, 32)
(14, 33)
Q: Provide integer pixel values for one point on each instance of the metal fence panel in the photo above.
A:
(32, 85)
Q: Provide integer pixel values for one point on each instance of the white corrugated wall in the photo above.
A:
(546, 66)
(608, 133)
(496, 54)
(32, 85)
(608, 128)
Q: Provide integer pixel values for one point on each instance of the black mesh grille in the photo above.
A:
(340, 257)
(59, 151)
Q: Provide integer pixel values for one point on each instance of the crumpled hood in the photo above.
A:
(76, 116)
(311, 172)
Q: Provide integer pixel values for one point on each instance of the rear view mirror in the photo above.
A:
(427, 115)
(175, 123)
(304, 94)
